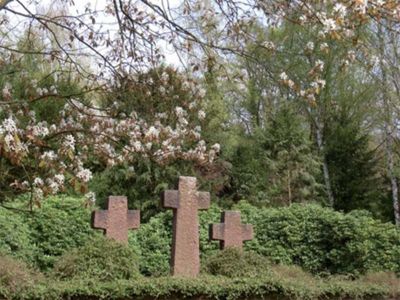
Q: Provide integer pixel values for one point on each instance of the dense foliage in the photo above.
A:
(288, 283)
(16, 236)
(232, 262)
(15, 277)
(322, 240)
(316, 239)
(99, 259)
(63, 223)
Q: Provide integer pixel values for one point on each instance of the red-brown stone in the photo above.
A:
(117, 219)
(231, 232)
(185, 202)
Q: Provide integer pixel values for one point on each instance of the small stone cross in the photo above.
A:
(231, 232)
(185, 202)
(117, 219)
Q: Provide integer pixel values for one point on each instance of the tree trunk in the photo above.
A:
(393, 179)
(327, 179)
(388, 129)
(289, 188)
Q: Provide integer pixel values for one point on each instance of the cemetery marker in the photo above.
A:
(231, 232)
(185, 202)
(117, 219)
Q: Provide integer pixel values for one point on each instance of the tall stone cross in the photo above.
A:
(185, 202)
(231, 232)
(117, 219)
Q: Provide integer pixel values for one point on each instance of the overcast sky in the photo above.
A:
(107, 22)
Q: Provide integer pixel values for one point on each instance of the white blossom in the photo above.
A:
(84, 175)
(202, 93)
(38, 181)
(283, 76)
(201, 115)
(9, 125)
(91, 197)
(180, 112)
(59, 178)
(329, 25)
(216, 147)
(340, 9)
(49, 156)
(319, 64)
(324, 47)
(310, 46)
(7, 90)
(153, 133)
(69, 142)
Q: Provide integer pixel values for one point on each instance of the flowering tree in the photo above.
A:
(46, 155)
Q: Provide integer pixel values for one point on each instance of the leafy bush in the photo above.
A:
(317, 239)
(15, 276)
(154, 241)
(101, 259)
(61, 224)
(290, 283)
(15, 235)
(324, 241)
(233, 262)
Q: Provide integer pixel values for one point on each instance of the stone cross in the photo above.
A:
(185, 202)
(231, 232)
(117, 219)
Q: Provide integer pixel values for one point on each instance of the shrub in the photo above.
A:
(61, 224)
(15, 276)
(324, 241)
(154, 241)
(15, 236)
(101, 259)
(388, 279)
(233, 262)
(317, 239)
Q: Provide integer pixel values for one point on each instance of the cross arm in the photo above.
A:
(133, 219)
(170, 199)
(99, 219)
(203, 200)
(247, 232)
(217, 231)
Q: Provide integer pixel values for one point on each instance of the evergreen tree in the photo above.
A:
(293, 167)
(353, 165)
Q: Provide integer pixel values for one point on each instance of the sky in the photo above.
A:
(107, 21)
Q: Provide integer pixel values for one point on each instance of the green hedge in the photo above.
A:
(317, 239)
(321, 240)
(232, 262)
(100, 259)
(41, 236)
(61, 224)
(16, 236)
(16, 277)
(272, 286)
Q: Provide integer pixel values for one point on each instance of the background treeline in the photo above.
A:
(339, 147)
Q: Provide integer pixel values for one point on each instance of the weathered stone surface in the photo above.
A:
(185, 202)
(117, 219)
(231, 232)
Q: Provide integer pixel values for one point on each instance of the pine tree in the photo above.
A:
(293, 167)
(352, 165)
